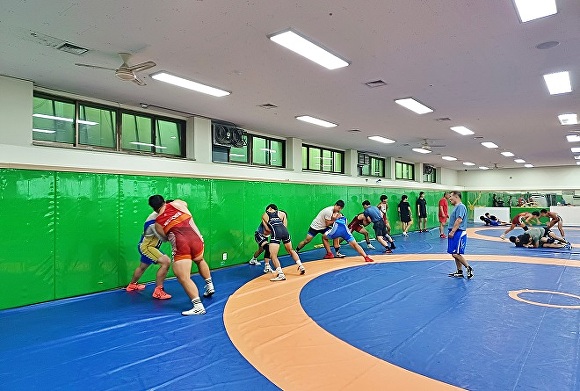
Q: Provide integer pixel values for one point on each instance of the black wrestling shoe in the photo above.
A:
(469, 272)
(458, 274)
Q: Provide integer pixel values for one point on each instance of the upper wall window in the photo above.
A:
(404, 171)
(376, 167)
(322, 159)
(79, 124)
(429, 174)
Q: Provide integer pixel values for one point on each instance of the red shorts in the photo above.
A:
(186, 244)
(443, 219)
(517, 220)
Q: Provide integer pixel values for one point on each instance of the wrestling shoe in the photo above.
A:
(159, 293)
(370, 246)
(196, 310)
(469, 272)
(209, 290)
(328, 256)
(339, 255)
(134, 287)
(254, 261)
(388, 251)
(458, 274)
(568, 246)
(405, 234)
(279, 277)
(268, 269)
(393, 245)
(301, 269)
(442, 236)
(368, 259)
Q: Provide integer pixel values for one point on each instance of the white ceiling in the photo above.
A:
(470, 60)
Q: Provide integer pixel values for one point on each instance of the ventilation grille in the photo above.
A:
(72, 49)
(442, 119)
(375, 83)
(268, 106)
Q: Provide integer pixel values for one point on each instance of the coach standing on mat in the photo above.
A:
(457, 236)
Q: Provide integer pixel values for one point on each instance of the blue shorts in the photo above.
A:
(495, 223)
(456, 244)
(339, 231)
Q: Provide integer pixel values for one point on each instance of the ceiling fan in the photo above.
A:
(126, 72)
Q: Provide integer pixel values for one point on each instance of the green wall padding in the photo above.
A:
(76, 233)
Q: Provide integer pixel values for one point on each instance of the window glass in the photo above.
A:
(260, 151)
(305, 158)
(327, 161)
(314, 159)
(378, 167)
(240, 155)
(53, 120)
(97, 126)
(404, 171)
(431, 178)
(337, 160)
(276, 153)
(168, 137)
(136, 133)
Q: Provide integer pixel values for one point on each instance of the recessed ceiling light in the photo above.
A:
(316, 121)
(519, 160)
(449, 158)
(306, 48)
(381, 139)
(578, 163)
(558, 83)
(468, 164)
(575, 149)
(483, 168)
(568, 119)
(489, 144)
(190, 85)
(547, 45)
(462, 130)
(535, 9)
(577, 157)
(507, 154)
(414, 105)
(528, 165)
(573, 138)
(421, 150)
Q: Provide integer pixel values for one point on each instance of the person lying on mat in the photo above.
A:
(540, 237)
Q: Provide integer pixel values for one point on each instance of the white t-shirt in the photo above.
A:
(319, 222)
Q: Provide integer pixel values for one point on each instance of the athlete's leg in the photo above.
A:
(163, 263)
(182, 270)
(139, 272)
(306, 240)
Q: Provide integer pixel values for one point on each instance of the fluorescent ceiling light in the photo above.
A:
(304, 47)
(528, 165)
(568, 119)
(449, 158)
(190, 85)
(507, 154)
(316, 121)
(44, 131)
(462, 130)
(421, 150)
(413, 105)
(578, 163)
(535, 9)
(489, 144)
(558, 83)
(577, 157)
(147, 145)
(573, 138)
(483, 168)
(575, 149)
(381, 139)
(519, 160)
(468, 164)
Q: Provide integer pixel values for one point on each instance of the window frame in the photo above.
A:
(426, 177)
(373, 159)
(250, 151)
(322, 150)
(407, 165)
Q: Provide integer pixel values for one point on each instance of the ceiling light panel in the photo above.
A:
(449, 158)
(316, 121)
(189, 84)
(573, 138)
(462, 130)
(519, 161)
(507, 154)
(528, 165)
(483, 168)
(575, 149)
(577, 157)
(468, 164)
(305, 47)
(535, 9)
(568, 119)
(558, 83)
(381, 139)
(414, 105)
(489, 144)
(421, 150)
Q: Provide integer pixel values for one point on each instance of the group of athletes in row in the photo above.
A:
(533, 237)
(172, 221)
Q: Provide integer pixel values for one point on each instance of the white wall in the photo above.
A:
(516, 179)
(18, 151)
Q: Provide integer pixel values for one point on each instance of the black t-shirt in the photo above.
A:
(404, 210)
(422, 204)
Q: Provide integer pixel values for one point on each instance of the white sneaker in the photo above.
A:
(194, 311)
(279, 277)
(254, 262)
(339, 255)
(301, 269)
(405, 234)
(209, 290)
(268, 269)
(371, 247)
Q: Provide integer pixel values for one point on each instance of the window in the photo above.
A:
(376, 167)
(404, 171)
(322, 159)
(258, 151)
(430, 176)
(81, 124)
